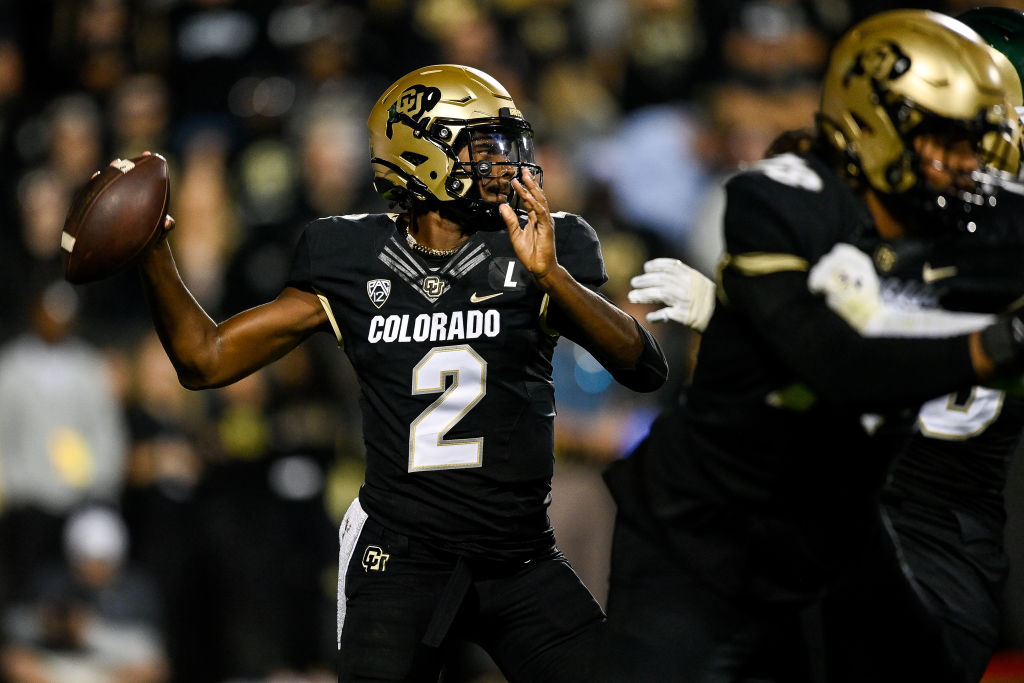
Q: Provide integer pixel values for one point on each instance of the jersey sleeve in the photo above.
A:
(579, 250)
(301, 275)
(783, 214)
(325, 246)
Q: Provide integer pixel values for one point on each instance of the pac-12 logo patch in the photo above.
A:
(378, 291)
(375, 559)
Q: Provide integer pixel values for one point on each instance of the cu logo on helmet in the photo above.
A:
(885, 61)
(417, 100)
(375, 559)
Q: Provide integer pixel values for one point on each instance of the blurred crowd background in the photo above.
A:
(148, 533)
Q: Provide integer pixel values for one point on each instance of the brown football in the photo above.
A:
(115, 217)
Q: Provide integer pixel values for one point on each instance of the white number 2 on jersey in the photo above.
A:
(428, 449)
(952, 418)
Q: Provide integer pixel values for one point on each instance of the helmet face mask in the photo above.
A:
(1003, 29)
(490, 157)
(450, 137)
(908, 73)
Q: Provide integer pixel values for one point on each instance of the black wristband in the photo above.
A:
(1003, 343)
(651, 369)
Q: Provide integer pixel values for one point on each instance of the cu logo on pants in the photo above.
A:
(374, 559)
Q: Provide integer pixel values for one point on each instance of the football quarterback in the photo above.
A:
(449, 311)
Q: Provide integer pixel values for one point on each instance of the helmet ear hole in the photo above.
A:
(863, 127)
(414, 158)
(391, 192)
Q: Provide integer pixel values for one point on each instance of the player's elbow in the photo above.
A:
(200, 361)
(197, 374)
(193, 382)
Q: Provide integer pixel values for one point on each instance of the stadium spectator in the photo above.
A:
(64, 437)
(92, 617)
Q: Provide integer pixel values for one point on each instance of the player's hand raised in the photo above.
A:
(534, 243)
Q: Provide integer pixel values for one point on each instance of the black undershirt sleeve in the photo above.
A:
(651, 371)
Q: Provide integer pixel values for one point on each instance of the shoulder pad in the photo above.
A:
(579, 249)
(791, 203)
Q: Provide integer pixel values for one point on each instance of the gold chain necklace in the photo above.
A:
(429, 251)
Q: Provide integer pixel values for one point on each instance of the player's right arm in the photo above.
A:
(210, 354)
(845, 277)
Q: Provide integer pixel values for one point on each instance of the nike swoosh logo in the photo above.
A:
(929, 274)
(474, 299)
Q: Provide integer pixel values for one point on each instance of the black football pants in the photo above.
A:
(665, 624)
(402, 604)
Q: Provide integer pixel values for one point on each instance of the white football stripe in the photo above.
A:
(122, 165)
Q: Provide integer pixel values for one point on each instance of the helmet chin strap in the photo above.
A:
(472, 211)
(474, 214)
(471, 214)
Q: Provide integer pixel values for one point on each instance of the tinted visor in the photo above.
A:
(499, 151)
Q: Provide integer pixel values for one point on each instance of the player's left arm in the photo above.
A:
(845, 277)
(616, 339)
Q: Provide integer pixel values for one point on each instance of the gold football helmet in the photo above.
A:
(1003, 29)
(450, 136)
(903, 72)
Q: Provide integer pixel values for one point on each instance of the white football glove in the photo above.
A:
(847, 278)
(688, 296)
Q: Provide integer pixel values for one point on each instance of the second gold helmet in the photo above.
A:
(901, 70)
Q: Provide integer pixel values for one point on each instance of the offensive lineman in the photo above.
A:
(758, 496)
(943, 498)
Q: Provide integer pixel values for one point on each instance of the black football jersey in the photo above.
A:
(960, 456)
(977, 267)
(453, 358)
(771, 338)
